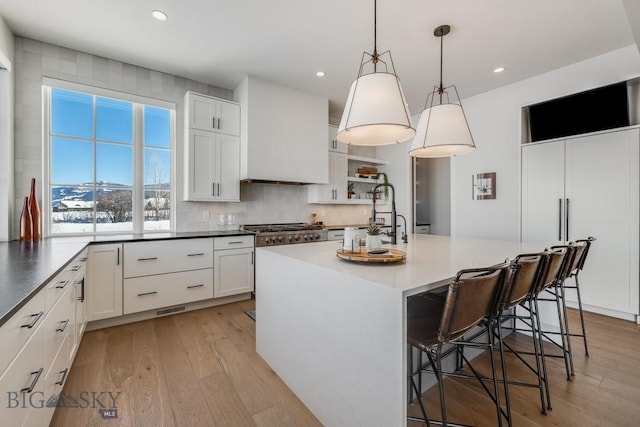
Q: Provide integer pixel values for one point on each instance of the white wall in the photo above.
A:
(495, 119)
(6, 131)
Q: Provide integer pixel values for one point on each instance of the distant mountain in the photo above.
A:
(84, 192)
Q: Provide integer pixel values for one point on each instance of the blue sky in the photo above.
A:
(73, 143)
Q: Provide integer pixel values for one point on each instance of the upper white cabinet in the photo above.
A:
(212, 149)
(336, 190)
(334, 144)
(283, 133)
(212, 114)
(588, 186)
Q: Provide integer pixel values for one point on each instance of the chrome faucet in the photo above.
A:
(393, 232)
(405, 237)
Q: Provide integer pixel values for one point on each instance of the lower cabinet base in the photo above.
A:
(165, 311)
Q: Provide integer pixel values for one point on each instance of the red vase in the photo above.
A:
(26, 233)
(34, 209)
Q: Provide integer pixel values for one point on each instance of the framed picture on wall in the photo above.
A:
(484, 186)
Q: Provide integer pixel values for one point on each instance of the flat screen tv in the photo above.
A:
(597, 109)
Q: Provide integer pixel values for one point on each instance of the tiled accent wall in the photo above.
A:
(35, 60)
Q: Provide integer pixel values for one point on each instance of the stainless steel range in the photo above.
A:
(286, 234)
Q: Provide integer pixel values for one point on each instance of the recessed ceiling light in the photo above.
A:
(159, 15)
(320, 74)
(498, 69)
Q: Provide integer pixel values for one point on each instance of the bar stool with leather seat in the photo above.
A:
(582, 249)
(434, 322)
(524, 279)
(560, 259)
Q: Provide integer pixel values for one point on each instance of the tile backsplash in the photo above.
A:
(268, 203)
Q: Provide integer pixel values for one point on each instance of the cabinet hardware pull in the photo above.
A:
(213, 189)
(339, 235)
(63, 327)
(34, 382)
(218, 190)
(198, 254)
(83, 259)
(251, 257)
(148, 259)
(75, 268)
(147, 293)
(64, 376)
(559, 219)
(195, 286)
(214, 122)
(567, 221)
(81, 283)
(236, 243)
(33, 322)
(118, 257)
(219, 123)
(61, 284)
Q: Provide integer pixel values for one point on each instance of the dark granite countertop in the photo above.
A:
(26, 267)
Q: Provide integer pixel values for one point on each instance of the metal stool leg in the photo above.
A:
(538, 332)
(584, 331)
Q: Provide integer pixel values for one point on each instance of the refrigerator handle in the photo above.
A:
(560, 219)
(567, 221)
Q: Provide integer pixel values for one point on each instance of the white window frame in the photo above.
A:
(138, 154)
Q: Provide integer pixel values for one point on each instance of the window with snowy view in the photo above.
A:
(109, 164)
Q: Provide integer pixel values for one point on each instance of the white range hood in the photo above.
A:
(283, 135)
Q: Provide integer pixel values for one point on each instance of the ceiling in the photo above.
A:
(287, 41)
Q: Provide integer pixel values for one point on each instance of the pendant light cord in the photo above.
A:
(375, 36)
(441, 88)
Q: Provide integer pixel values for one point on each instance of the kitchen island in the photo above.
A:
(335, 331)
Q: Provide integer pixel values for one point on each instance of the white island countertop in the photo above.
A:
(430, 259)
(335, 330)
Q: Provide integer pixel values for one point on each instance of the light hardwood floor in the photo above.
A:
(201, 369)
(193, 369)
(604, 392)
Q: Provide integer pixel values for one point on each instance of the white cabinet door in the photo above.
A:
(588, 186)
(201, 166)
(233, 272)
(336, 190)
(334, 144)
(543, 193)
(213, 167)
(228, 168)
(104, 282)
(602, 201)
(212, 114)
(339, 165)
(228, 114)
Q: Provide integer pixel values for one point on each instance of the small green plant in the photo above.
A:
(373, 229)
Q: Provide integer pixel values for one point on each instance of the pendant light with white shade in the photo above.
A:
(376, 112)
(443, 130)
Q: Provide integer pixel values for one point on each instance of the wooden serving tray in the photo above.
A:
(392, 255)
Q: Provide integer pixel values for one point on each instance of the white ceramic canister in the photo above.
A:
(351, 239)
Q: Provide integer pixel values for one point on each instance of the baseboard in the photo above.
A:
(164, 311)
(606, 312)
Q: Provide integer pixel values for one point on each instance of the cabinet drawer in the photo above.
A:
(23, 382)
(15, 332)
(335, 234)
(56, 377)
(167, 256)
(233, 242)
(58, 324)
(423, 229)
(150, 292)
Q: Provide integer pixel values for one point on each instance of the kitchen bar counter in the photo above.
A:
(335, 331)
(26, 267)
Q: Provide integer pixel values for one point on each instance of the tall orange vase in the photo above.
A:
(25, 222)
(34, 209)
